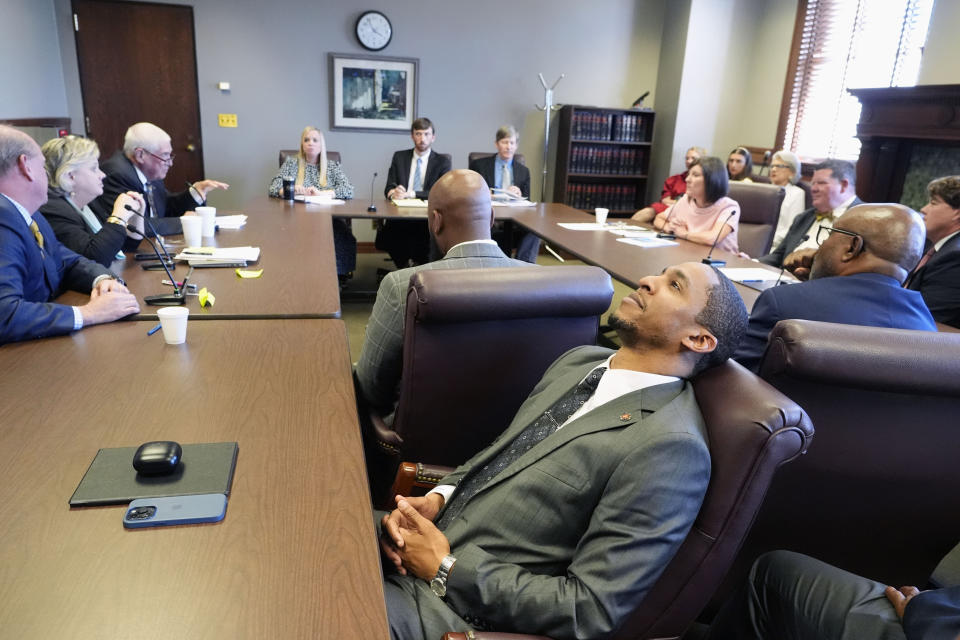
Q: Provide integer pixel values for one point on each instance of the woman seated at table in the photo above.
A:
(314, 174)
(74, 180)
(673, 187)
(704, 214)
(740, 165)
(785, 172)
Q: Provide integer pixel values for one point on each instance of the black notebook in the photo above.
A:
(111, 478)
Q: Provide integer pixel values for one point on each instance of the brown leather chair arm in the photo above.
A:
(387, 439)
(417, 474)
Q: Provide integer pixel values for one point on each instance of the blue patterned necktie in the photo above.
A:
(551, 420)
(417, 181)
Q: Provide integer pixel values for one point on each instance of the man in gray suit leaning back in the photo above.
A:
(564, 523)
(460, 216)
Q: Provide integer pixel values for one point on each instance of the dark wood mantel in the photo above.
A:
(893, 121)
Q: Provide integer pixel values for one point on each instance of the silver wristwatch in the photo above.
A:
(439, 583)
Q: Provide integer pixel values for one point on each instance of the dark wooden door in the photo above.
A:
(138, 64)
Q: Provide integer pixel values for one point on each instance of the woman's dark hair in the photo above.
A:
(715, 182)
(747, 163)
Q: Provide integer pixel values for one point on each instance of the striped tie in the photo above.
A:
(417, 180)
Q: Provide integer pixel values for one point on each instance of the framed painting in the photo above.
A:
(373, 93)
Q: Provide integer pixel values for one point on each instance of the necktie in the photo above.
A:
(505, 180)
(148, 191)
(827, 215)
(923, 260)
(534, 433)
(37, 234)
(417, 181)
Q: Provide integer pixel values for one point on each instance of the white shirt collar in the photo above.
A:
(842, 207)
(493, 242)
(942, 241)
(143, 178)
(23, 212)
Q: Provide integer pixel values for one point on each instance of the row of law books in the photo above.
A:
(616, 197)
(617, 127)
(596, 159)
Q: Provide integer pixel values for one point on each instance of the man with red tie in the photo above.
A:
(937, 275)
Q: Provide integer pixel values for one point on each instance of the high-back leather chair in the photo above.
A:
(476, 342)
(332, 156)
(879, 492)
(476, 155)
(759, 212)
(752, 429)
(803, 184)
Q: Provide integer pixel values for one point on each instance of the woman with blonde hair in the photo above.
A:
(74, 180)
(313, 173)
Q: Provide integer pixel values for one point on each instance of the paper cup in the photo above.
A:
(601, 214)
(173, 321)
(209, 217)
(192, 230)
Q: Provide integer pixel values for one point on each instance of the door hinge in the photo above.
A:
(76, 23)
(87, 120)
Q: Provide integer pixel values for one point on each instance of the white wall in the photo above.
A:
(31, 74)
(477, 72)
(942, 50)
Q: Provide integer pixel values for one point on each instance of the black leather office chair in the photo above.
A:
(476, 155)
(759, 212)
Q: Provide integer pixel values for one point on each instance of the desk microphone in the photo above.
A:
(709, 259)
(663, 231)
(372, 208)
(179, 291)
(146, 221)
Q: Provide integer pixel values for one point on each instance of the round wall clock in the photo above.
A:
(374, 30)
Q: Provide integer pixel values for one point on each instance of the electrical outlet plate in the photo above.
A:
(227, 119)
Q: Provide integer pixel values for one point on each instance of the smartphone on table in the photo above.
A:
(171, 510)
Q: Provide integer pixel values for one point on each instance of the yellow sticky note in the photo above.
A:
(206, 298)
(249, 273)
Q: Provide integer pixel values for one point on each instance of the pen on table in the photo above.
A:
(154, 329)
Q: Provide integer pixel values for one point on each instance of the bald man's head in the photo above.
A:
(890, 241)
(459, 208)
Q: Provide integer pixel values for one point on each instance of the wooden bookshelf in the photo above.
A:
(603, 156)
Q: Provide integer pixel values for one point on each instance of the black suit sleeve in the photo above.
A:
(940, 288)
(72, 232)
(393, 175)
(789, 243)
(521, 178)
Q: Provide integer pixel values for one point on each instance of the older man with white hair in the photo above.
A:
(141, 166)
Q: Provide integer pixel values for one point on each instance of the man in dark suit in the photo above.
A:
(937, 276)
(855, 278)
(412, 173)
(795, 597)
(833, 189)
(141, 166)
(505, 174)
(459, 215)
(34, 266)
(566, 521)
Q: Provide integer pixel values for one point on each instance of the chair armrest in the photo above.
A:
(424, 476)
(489, 635)
(387, 439)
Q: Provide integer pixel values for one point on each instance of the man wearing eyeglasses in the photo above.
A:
(141, 166)
(855, 277)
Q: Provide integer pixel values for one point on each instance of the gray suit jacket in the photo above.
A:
(570, 538)
(381, 357)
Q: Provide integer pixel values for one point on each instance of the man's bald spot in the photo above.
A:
(892, 232)
(462, 195)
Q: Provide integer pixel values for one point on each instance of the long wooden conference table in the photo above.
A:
(268, 368)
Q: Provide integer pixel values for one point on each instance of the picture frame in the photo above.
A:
(373, 93)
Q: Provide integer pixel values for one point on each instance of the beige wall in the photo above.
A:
(941, 56)
(30, 74)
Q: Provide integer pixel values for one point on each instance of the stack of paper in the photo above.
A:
(231, 222)
(647, 242)
(513, 203)
(319, 199)
(410, 202)
(200, 255)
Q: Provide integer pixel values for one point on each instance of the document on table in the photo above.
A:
(231, 222)
(618, 228)
(219, 254)
(410, 202)
(318, 200)
(755, 274)
(647, 242)
(513, 203)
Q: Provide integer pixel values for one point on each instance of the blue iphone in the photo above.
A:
(156, 512)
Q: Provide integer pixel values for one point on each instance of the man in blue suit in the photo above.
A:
(855, 278)
(34, 266)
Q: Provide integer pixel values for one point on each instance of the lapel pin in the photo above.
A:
(624, 417)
